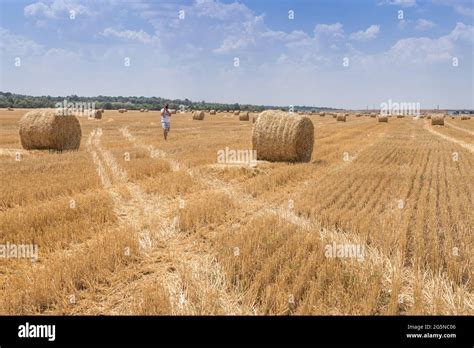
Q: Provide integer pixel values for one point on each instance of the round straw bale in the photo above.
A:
(49, 129)
(322, 114)
(146, 110)
(428, 117)
(173, 111)
(10, 109)
(97, 114)
(212, 112)
(237, 113)
(437, 120)
(372, 114)
(198, 115)
(400, 116)
(334, 115)
(279, 136)
(341, 117)
(244, 116)
(465, 117)
(142, 110)
(383, 118)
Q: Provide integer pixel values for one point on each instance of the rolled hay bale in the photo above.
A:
(428, 117)
(96, 114)
(102, 110)
(142, 110)
(212, 112)
(452, 117)
(358, 115)
(10, 109)
(237, 113)
(400, 116)
(198, 115)
(437, 120)
(334, 115)
(46, 129)
(341, 118)
(173, 111)
(121, 111)
(322, 114)
(279, 136)
(146, 110)
(373, 114)
(383, 118)
(244, 116)
(465, 117)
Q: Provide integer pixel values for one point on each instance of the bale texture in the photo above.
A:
(465, 117)
(198, 115)
(97, 114)
(10, 109)
(244, 116)
(46, 129)
(237, 113)
(212, 112)
(279, 136)
(383, 118)
(437, 120)
(341, 117)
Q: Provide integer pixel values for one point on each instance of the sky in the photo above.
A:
(334, 53)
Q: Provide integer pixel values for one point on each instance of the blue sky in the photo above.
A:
(282, 61)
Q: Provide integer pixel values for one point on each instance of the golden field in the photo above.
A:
(131, 224)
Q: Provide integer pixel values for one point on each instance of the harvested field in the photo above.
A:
(131, 224)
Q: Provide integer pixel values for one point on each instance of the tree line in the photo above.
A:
(12, 100)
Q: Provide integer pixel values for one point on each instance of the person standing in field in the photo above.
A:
(165, 121)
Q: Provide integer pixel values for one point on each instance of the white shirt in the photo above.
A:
(165, 115)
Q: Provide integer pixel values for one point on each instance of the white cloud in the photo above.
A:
(403, 3)
(463, 32)
(424, 24)
(364, 35)
(222, 11)
(18, 45)
(334, 30)
(130, 35)
(426, 50)
(462, 7)
(57, 8)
